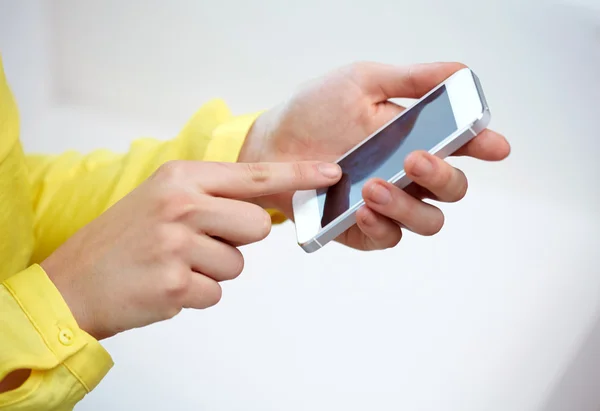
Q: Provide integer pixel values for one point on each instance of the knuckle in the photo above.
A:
(176, 285)
(258, 172)
(162, 234)
(173, 170)
(299, 172)
(179, 240)
(173, 204)
(173, 242)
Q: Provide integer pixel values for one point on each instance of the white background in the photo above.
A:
(500, 311)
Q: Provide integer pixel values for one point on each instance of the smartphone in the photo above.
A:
(441, 122)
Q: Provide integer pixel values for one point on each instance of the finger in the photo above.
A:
(249, 180)
(378, 231)
(488, 145)
(393, 203)
(215, 259)
(420, 192)
(447, 183)
(385, 81)
(237, 222)
(202, 292)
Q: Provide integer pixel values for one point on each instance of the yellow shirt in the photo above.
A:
(43, 201)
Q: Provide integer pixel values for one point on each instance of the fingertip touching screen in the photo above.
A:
(422, 127)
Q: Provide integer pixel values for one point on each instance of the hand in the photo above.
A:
(168, 244)
(332, 114)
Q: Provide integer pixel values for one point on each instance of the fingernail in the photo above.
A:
(380, 195)
(329, 170)
(422, 167)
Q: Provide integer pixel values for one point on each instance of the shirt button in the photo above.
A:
(66, 336)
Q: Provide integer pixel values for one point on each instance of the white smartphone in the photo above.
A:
(441, 122)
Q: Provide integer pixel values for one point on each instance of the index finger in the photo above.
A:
(250, 180)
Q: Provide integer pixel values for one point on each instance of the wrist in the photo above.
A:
(72, 298)
(256, 150)
(254, 144)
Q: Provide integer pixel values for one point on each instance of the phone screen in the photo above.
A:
(422, 127)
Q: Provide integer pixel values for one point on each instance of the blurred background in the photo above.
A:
(500, 311)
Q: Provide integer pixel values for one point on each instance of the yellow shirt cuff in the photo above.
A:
(227, 137)
(65, 343)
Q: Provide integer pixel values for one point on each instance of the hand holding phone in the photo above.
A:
(441, 122)
(333, 113)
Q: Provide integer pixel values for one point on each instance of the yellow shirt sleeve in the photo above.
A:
(71, 189)
(39, 333)
(37, 329)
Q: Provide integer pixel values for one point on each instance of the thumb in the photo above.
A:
(384, 81)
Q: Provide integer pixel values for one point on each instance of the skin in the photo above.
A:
(169, 243)
(331, 114)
